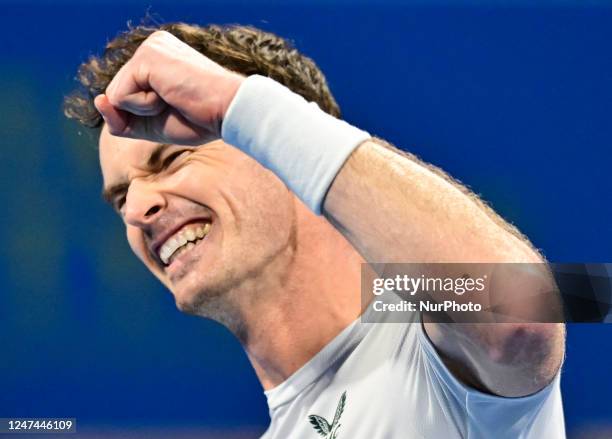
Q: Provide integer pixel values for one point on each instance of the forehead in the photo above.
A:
(118, 154)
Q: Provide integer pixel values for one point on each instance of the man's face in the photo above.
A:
(205, 220)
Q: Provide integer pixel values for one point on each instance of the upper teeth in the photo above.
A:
(189, 233)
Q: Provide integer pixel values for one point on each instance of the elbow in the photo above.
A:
(525, 354)
(529, 354)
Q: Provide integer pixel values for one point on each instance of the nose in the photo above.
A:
(143, 203)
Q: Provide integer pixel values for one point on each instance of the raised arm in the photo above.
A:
(395, 208)
(391, 206)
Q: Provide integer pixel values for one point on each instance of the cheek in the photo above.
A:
(245, 197)
(197, 182)
(266, 208)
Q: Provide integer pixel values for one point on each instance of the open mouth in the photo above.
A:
(183, 241)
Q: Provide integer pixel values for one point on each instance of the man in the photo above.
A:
(257, 209)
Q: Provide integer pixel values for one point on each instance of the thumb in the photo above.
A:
(116, 120)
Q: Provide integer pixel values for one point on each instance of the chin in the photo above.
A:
(187, 296)
(188, 303)
(186, 307)
(193, 296)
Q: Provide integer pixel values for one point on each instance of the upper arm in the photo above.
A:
(393, 207)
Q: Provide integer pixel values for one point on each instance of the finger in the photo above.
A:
(116, 120)
(130, 91)
(168, 127)
(142, 103)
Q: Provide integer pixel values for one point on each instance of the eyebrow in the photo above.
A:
(153, 162)
(154, 158)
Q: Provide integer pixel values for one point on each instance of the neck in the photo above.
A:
(308, 296)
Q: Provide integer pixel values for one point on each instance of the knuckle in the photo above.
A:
(153, 43)
(156, 37)
(159, 34)
(112, 97)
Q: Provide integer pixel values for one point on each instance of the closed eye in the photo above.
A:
(171, 157)
(117, 195)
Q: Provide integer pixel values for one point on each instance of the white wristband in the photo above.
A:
(298, 141)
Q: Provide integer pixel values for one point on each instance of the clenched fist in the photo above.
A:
(168, 92)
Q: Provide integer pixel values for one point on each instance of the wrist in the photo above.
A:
(233, 83)
(299, 142)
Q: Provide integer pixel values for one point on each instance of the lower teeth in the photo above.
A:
(183, 249)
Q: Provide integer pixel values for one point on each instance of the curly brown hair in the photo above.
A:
(243, 49)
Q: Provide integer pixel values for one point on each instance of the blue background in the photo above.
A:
(513, 101)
